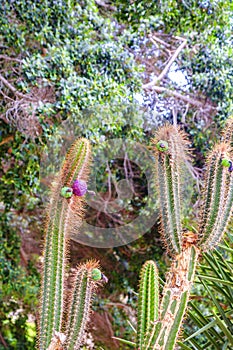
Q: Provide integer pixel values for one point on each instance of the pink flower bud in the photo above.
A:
(79, 187)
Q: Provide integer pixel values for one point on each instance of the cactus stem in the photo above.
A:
(85, 281)
(168, 168)
(64, 215)
(163, 334)
(218, 198)
(148, 301)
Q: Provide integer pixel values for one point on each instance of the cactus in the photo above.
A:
(218, 198)
(85, 282)
(148, 301)
(184, 247)
(65, 212)
(168, 168)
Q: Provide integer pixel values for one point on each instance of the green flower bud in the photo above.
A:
(96, 274)
(226, 162)
(66, 192)
(162, 146)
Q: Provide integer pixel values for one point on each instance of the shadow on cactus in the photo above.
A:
(61, 327)
(159, 324)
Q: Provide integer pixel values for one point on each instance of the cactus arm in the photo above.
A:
(63, 216)
(168, 167)
(167, 200)
(79, 309)
(163, 334)
(218, 201)
(179, 283)
(223, 221)
(148, 301)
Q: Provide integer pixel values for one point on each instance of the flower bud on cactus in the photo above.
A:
(66, 192)
(226, 162)
(96, 274)
(79, 187)
(162, 146)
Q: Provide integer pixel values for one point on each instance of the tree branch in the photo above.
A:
(7, 58)
(107, 6)
(13, 89)
(187, 99)
(168, 65)
(162, 42)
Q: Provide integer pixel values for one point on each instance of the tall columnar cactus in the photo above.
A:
(65, 212)
(184, 247)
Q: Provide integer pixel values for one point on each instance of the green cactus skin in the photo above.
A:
(163, 334)
(80, 304)
(63, 216)
(148, 300)
(168, 168)
(218, 199)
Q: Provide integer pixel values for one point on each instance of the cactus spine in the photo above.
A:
(185, 247)
(148, 301)
(64, 215)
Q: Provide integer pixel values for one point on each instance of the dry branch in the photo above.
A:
(187, 99)
(13, 89)
(167, 67)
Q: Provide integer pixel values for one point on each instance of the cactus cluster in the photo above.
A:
(159, 321)
(59, 329)
(161, 330)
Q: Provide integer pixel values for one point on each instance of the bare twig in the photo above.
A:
(13, 89)
(7, 58)
(107, 6)
(184, 98)
(162, 42)
(6, 139)
(167, 67)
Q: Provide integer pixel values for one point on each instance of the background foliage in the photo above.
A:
(89, 62)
